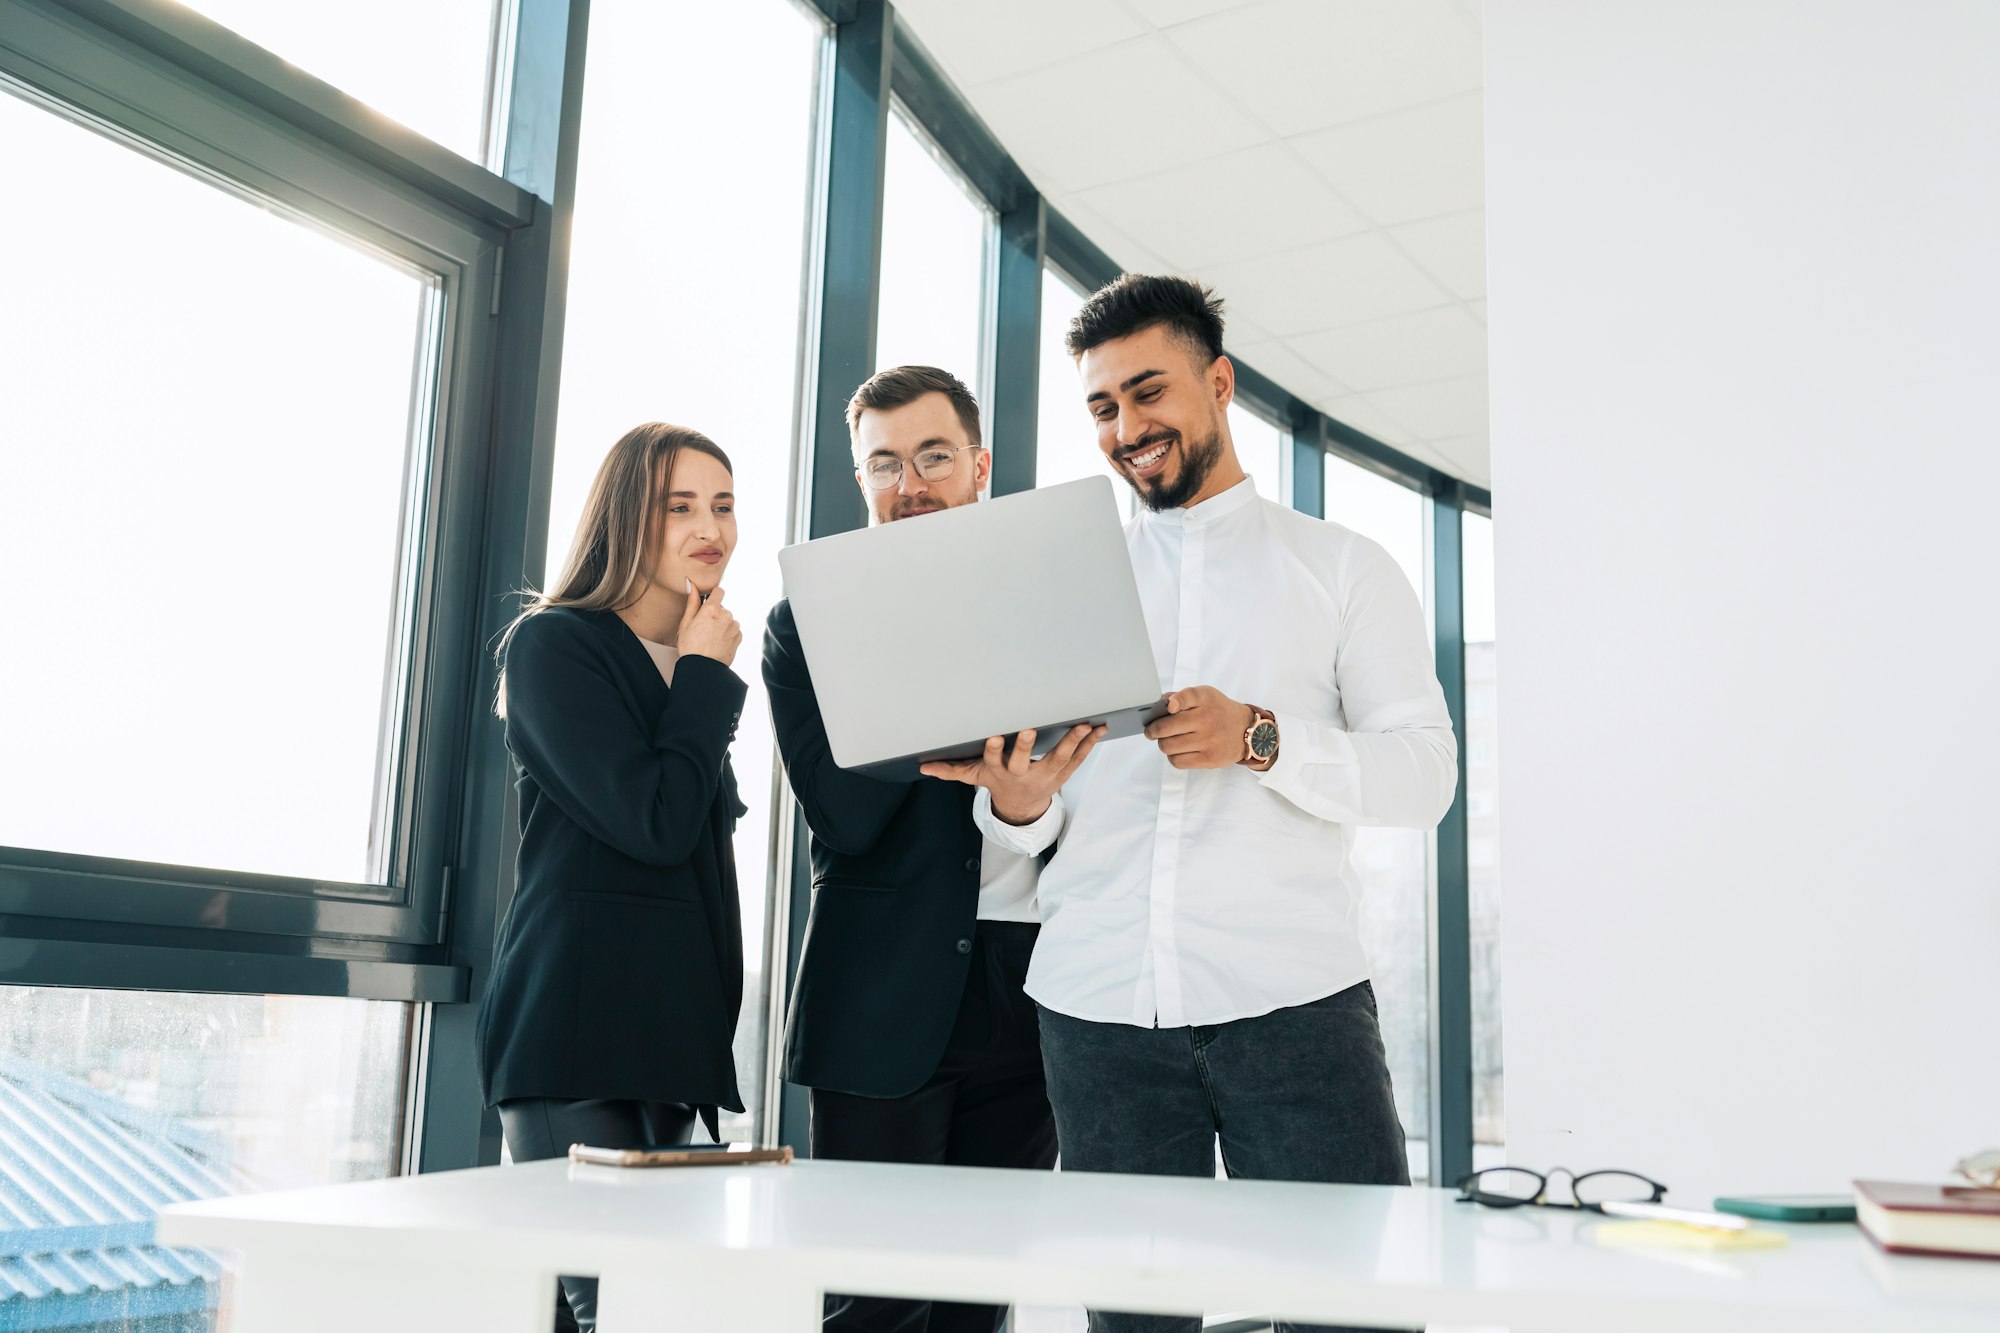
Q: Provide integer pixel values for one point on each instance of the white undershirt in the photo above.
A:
(663, 658)
(1007, 878)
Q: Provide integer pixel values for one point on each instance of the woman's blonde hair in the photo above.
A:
(607, 563)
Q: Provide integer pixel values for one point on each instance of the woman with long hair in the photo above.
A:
(618, 973)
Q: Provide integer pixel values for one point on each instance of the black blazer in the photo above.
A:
(895, 869)
(619, 968)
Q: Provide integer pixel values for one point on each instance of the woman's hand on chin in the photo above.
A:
(707, 628)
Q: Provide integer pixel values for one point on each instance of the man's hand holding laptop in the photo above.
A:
(1205, 728)
(1022, 786)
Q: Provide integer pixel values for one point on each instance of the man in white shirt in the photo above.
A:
(1198, 971)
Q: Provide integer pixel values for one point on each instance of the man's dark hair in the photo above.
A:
(903, 385)
(1132, 302)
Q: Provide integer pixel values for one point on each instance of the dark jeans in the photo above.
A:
(987, 1105)
(1296, 1094)
(543, 1127)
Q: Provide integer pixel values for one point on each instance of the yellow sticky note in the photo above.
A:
(1680, 1236)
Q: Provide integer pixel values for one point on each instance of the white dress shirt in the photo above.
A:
(1007, 884)
(1197, 897)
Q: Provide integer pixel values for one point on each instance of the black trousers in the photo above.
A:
(987, 1105)
(1296, 1094)
(537, 1128)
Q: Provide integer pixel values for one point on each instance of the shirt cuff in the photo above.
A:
(1301, 743)
(1021, 839)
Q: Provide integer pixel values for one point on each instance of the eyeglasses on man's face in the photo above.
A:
(1516, 1187)
(933, 463)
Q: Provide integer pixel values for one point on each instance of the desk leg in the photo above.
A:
(295, 1294)
(646, 1303)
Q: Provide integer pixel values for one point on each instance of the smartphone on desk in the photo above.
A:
(1790, 1207)
(681, 1154)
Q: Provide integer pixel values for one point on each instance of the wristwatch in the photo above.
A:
(1260, 738)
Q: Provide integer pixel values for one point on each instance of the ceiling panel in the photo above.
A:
(1462, 452)
(1451, 249)
(1114, 241)
(1445, 343)
(1406, 165)
(1036, 33)
(1438, 411)
(1317, 161)
(1327, 286)
(1299, 65)
(1255, 202)
(1279, 362)
(1103, 117)
(1366, 417)
(1166, 13)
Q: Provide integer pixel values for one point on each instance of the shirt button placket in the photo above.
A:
(1168, 1006)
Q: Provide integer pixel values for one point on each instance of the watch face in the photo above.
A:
(1264, 740)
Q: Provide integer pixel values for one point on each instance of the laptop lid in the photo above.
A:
(927, 635)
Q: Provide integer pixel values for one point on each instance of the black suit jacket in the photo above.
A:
(619, 968)
(895, 869)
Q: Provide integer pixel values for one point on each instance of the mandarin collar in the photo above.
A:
(1211, 510)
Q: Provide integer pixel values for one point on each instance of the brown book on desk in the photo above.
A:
(1956, 1220)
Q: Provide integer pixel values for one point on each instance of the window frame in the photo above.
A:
(183, 90)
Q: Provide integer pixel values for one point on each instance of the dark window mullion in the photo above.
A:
(1450, 928)
(850, 273)
(502, 510)
(1014, 411)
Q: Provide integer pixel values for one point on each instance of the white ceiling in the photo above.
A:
(1317, 161)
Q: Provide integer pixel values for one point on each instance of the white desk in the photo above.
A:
(752, 1248)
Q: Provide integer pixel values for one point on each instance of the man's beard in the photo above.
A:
(911, 506)
(1198, 460)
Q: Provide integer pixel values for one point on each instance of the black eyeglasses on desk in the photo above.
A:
(1515, 1187)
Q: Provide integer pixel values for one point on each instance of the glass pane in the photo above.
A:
(1386, 511)
(934, 241)
(1260, 448)
(424, 65)
(1395, 864)
(114, 1104)
(202, 516)
(1065, 439)
(691, 315)
(1482, 810)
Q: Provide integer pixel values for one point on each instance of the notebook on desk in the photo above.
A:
(1953, 1220)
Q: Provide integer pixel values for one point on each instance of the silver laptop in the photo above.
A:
(927, 635)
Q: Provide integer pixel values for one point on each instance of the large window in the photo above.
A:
(1482, 818)
(212, 426)
(429, 66)
(684, 306)
(1065, 436)
(1260, 448)
(936, 242)
(114, 1104)
(1395, 865)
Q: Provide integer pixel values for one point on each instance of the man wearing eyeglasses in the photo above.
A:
(909, 1022)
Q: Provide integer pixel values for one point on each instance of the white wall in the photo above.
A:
(1745, 345)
